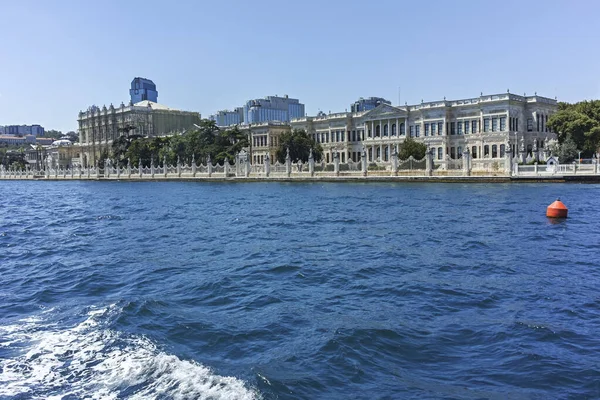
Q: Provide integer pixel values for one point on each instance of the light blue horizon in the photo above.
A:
(59, 58)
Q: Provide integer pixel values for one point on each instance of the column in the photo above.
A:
(363, 160)
(267, 165)
(466, 163)
(508, 161)
(429, 162)
(336, 163)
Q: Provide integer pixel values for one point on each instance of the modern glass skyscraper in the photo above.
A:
(272, 108)
(143, 89)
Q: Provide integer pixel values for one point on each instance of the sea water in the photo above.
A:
(114, 290)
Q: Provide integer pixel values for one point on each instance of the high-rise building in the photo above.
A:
(367, 104)
(228, 118)
(272, 108)
(22, 130)
(143, 89)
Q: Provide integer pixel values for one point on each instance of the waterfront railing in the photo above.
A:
(427, 166)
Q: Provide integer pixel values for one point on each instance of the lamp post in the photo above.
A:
(580, 158)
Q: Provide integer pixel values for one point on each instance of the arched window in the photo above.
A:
(529, 149)
(393, 129)
(385, 130)
(386, 154)
(494, 151)
(474, 151)
(378, 153)
(402, 129)
(370, 154)
(502, 150)
(377, 131)
(486, 151)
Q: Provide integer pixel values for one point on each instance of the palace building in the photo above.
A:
(483, 126)
(98, 127)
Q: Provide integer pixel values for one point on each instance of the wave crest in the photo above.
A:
(92, 361)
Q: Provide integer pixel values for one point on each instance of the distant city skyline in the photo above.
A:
(207, 57)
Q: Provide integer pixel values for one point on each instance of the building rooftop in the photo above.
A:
(155, 106)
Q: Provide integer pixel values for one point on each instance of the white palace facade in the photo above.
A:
(484, 126)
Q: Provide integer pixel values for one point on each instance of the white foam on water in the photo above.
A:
(90, 361)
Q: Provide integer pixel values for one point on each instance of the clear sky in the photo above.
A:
(59, 57)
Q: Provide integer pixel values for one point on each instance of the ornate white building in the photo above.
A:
(484, 126)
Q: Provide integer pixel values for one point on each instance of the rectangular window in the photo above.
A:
(412, 131)
(426, 129)
(486, 124)
(516, 124)
(467, 127)
(453, 129)
(453, 153)
(459, 127)
(494, 124)
(474, 126)
(459, 152)
(440, 153)
(440, 128)
(529, 124)
(502, 124)
(417, 130)
(433, 126)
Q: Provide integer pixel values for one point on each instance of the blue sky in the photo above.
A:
(59, 57)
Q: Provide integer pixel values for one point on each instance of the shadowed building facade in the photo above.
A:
(98, 127)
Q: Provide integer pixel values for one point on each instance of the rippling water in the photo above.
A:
(281, 291)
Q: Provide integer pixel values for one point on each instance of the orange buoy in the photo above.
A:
(557, 210)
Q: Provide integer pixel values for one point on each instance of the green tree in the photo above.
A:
(229, 143)
(300, 145)
(410, 147)
(579, 122)
(566, 151)
(102, 158)
(139, 150)
(51, 133)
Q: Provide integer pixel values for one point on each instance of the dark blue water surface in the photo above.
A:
(298, 291)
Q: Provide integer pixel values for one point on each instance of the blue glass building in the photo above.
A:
(368, 104)
(228, 118)
(22, 130)
(272, 108)
(143, 89)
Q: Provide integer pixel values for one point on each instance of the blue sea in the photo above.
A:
(188, 290)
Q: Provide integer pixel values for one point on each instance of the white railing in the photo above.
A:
(447, 167)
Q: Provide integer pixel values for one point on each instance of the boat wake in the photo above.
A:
(39, 359)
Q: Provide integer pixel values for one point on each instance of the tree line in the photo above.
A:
(208, 140)
(577, 128)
